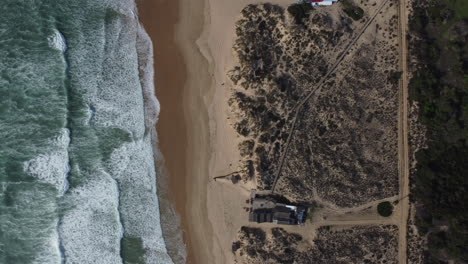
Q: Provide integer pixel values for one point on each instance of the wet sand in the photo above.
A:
(160, 19)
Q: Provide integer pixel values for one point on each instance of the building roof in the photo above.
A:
(260, 203)
(283, 222)
(281, 215)
(267, 210)
(261, 216)
(283, 209)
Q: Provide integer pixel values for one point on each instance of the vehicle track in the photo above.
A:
(403, 147)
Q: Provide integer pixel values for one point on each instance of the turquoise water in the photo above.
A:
(77, 109)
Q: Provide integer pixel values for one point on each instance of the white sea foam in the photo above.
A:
(52, 167)
(57, 41)
(118, 96)
(91, 229)
(145, 61)
(133, 166)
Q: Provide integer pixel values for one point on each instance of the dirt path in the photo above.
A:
(311, 227)
(343, 210)
(403, 148)
(317, 88)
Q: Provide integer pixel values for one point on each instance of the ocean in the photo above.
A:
(77, 118)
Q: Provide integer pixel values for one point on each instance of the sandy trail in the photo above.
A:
(343, 210)
(403, 146)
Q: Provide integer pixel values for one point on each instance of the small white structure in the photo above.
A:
(319, 2)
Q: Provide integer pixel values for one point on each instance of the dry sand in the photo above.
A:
(193, 42)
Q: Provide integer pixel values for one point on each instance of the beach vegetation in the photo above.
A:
(311, 209)
(395, 76)
(352, 10)
(300, 11)
(278, 65)
(235, 178)
(235, 246)
(350, 243)
(246, 147)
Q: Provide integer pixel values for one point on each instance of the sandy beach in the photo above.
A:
(193, 51)
(161, 19)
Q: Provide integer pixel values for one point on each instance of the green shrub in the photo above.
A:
(300, 11)
(385, 209)
(353, 11)
(395, 76)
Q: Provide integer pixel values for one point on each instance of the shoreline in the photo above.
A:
(159, 19)
(162, 21)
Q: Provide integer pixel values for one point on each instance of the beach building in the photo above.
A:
(266, 210)
(323, 2)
